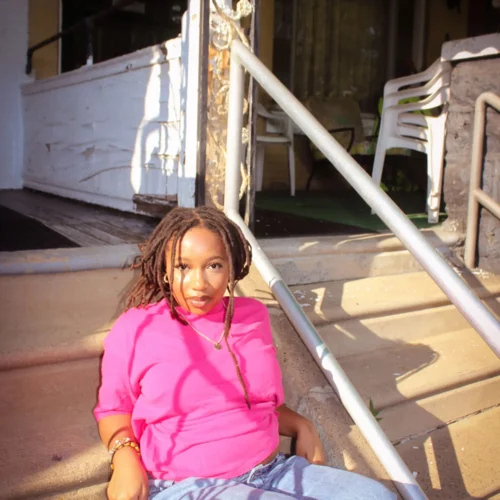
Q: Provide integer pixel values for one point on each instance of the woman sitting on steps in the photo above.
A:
(191, 399)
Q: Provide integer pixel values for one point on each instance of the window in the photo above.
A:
(139, 25)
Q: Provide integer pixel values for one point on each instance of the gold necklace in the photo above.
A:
(217, 345)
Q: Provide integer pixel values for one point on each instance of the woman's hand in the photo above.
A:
(129, 480)
(309, 444)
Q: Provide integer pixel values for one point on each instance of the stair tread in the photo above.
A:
(380, 295)
(74, 311)
(414, 370)
(458, 461)
(356, 336)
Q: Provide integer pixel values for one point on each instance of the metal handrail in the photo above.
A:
(458, 292)
(87, 23)
(476, 194)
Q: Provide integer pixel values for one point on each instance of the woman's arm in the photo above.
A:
(293, 425)
(129, 480)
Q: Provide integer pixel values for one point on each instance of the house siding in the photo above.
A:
(103, 133)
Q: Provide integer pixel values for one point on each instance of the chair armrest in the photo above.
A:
(394, 85)
(442, 79)
(435, 100)
(262, 111)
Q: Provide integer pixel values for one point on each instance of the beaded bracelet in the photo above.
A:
(122, 443)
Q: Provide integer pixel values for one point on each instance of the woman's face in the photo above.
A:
(201, 270)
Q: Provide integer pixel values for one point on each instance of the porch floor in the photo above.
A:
(86, 225)
(90, 225)
(277, 215)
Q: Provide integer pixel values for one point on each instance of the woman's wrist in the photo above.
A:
(126, 457)
(304, 423)
(291, 422)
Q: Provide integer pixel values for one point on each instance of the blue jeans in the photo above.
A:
(283, 478)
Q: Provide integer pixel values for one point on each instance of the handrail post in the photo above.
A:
(476, 194)
(234, 133)
(475, 182)
(352, 401)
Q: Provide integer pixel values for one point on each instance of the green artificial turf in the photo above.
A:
(345, 208)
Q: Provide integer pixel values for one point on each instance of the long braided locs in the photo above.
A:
(151, 287)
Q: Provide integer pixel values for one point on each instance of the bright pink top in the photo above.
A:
(187, 405)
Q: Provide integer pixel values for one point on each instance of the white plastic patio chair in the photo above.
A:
(279, 130)
(404, 126)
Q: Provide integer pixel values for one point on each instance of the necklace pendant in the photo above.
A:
(217, 346)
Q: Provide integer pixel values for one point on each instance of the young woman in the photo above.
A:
(191, 403)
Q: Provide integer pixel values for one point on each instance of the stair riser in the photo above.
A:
(302, 270)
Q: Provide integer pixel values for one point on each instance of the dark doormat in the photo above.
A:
(18, 232)
(271, 224)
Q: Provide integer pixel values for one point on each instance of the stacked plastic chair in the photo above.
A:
(279, 128)
(414, 115)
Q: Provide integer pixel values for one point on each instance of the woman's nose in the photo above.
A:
(200, 281)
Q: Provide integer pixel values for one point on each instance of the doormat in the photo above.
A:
(18, 232)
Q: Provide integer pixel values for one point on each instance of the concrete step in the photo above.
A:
(410, 371)
(413, 418)
(460, 460)
(50, 442)
(356, 336)
(321, 259)
(338, 301)
(48, 318)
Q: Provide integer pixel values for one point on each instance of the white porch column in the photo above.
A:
(190, 60)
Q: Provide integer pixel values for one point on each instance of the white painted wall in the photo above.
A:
(103, 133)
(13, 47)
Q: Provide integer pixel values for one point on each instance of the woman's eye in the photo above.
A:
(181, 267)
(215, 265)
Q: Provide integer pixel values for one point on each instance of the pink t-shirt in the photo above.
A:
(188, 407)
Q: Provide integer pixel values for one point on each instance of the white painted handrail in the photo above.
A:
(458, 292)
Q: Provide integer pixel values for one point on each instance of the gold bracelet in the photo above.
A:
(122, 443)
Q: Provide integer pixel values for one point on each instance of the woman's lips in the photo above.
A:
(199, 302)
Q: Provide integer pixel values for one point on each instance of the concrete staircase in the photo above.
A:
(432, 380)
(431, 377)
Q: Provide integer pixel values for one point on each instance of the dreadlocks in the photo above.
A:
(151, 287)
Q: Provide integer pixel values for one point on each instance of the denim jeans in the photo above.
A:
(283, 478)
